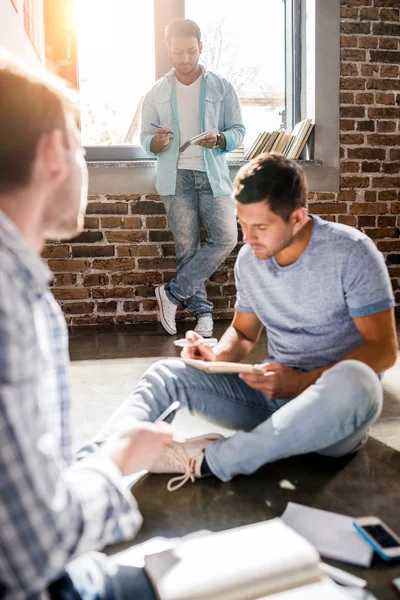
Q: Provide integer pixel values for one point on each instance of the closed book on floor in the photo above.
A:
(262, 560)
(221, 366)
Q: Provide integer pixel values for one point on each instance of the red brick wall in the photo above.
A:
(108, 273)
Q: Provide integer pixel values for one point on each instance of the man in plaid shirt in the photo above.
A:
(51, 510)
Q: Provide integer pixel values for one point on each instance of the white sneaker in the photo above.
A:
(167, 310)
(183, 457)
(204, 326)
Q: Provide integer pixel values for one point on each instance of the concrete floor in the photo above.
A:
(106, 364)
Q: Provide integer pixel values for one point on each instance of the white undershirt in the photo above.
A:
(188, 99)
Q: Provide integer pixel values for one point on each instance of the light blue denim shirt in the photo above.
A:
(219, 108)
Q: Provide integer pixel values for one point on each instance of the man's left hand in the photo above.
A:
(209, 141)
(278, 381)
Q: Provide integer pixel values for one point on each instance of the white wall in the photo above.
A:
(13, 36)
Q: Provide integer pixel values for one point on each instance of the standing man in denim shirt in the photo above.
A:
(194, 185)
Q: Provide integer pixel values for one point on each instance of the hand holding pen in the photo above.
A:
(161, 138)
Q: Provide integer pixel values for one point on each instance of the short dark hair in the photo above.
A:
(32, 104)
(182, 28)
(274, 179)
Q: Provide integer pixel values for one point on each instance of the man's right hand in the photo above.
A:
(199, 351)
(161, 138)
(137, 446)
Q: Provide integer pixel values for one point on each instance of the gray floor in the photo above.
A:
(106, 364)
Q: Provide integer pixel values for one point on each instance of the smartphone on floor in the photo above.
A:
(379, 535)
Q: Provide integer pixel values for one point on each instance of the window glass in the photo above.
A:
(116, 67)
(245, 43)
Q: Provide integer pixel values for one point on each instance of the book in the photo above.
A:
(221, 366)
(197, 138)
(290, 144)
(262, 560)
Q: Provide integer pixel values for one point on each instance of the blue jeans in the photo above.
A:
(94, 577)
(192, 203)
(330, 417)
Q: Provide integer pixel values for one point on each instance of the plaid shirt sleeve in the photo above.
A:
(49, 513)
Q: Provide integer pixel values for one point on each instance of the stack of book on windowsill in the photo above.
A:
(290, 144)
(237, 153)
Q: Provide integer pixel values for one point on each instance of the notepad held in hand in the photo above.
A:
(197, 138)
(263, 560)
(221, 366)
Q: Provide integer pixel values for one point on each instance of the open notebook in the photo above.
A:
(263, 560)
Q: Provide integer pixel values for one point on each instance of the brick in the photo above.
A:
(348, 41)
(161, 236)
(364, 98)
(105, 307)
(387, 221)
(71, 293)
(354, 182)
(325, 195)
(347, 27)
(353, 83)
(370, 167)
(352, 112)
(368, 42)
(168, 250)
(351, 139)
(347, 220)
(379, 233)
(391, 168)
(149, 305)
(87, 237)
(369, 14)
(126, 236)
(382, 98)
(368, 208)
(68, 266)
(367, 153)
(347, 124)
(347, 97)
(81, 251)
(394, 271)
(349, 167)
(156, 222)
(136, 318)
(395, 208)
(111, 222)
(229, 290)
(129, 197)
(78, 308)
(92, 320)
(107, 208)
(91, 223)
(137, 250)
(365, 126)
(369, 70)
(358, 2)
(385, 126)
(95, 279)
(382, 84)
(386, 182)
(219, 277)
(388, 43)
(55, 251)
(389, 71)
(393, 259)
(349, 69)
(114, 264)
(385, 112)
(136, 278)
(64, 279)
(114, 292)
(380, 139)
(156, 263)
(105, 319)
(147, 208)
(370, 196)
(390, 14)
(348, 12)
(395, 154)
(366, 221)
(386, 29)
(132, 223)
(145, 291)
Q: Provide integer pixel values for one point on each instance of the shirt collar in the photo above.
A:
(33, 268)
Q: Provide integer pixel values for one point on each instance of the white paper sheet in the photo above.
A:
(333, 535)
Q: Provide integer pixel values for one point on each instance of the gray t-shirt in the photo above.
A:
(308, 306)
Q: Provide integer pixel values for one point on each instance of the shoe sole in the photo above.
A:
(164, 323)
(205, 334)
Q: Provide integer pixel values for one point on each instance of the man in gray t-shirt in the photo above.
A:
(323, 294)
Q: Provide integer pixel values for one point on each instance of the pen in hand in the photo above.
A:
(171, 408)
(161, 127)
